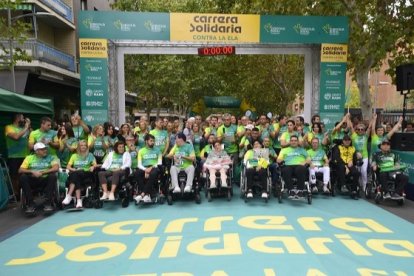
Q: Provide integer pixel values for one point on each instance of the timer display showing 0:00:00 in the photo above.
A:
(219, 50)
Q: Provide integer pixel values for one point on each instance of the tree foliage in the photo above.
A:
(17, 32)
(378, 28)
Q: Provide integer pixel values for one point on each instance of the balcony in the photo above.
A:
(45, 53)
(59, 7)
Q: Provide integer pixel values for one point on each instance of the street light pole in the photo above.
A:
(9, 19)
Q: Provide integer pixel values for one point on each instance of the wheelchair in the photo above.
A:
(123, 191)
(158, 193)
(256, 188)
(219, 190)
(89, 192)
(182, 180)
(281, 188)
(39, 198)
(375, 190)
(337, 188)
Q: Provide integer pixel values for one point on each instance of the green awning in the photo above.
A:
(17, 103)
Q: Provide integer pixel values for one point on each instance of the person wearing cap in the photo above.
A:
(39, 170)
(345, 159)
(183, 155)
(45, 135)
(384, 163)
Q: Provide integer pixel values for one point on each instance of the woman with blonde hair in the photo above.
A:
(80, 166)
(96, 143)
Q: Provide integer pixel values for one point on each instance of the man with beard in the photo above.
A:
(149, 158)
(17, 138)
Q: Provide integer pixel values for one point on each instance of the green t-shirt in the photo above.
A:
(196, 144)
(207, 149)
(66, 153)
(360, 142)
(210, 130)
(79, 133)
(293, 156)
(117, 162)
(375, 142)
(16, 148)
(82, 162)
(149, 157)
(35, 163)
(286, 136)
(317, 157)
(161, 139)
(184, 150)
(276, 140)
(97, 146)
(44, 137)
(134, 157)
(385, 161)
(110, 142)
(229, 138)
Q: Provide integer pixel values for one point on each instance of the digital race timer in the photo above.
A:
(217, 50)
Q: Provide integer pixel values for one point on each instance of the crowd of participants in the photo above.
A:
(140, 149)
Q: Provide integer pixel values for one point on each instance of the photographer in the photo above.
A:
(17, 137)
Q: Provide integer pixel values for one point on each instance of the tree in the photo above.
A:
(377, 27)
(10, 32)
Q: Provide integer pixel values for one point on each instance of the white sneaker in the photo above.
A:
(67, 200)
(79, 203)
(147, 199)
(264, 195)
(315, 189)
(387, 195)
(111, 197)
(325, 189)
(213, 186)
(177, 190)
(138, 198)
(249, 195)
(105, 196)
(187, 189)
(224, 184)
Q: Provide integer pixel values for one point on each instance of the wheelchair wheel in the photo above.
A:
(125, 202)
(208, 196)
(309, 198)
(229, 194)
(98, 204)
(161, 199)
(368, 190)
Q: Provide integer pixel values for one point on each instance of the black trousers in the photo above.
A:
(262, 173)
(147, 185)
(400, 181)
(80, 178)
(47, 184)
(299, 171)
(353, 173)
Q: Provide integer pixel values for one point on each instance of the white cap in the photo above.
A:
(38, 146)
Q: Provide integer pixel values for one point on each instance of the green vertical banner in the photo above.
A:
(94, 80)
(332, 83)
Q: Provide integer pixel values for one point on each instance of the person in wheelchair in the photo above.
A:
(295, 158)
(218, 161)
(345, 161)
(80, 166)
(319, 163)
(384, 164)
(149, 159)
(117, 164)
(183, 156)
(39, 170)
(255, 165)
